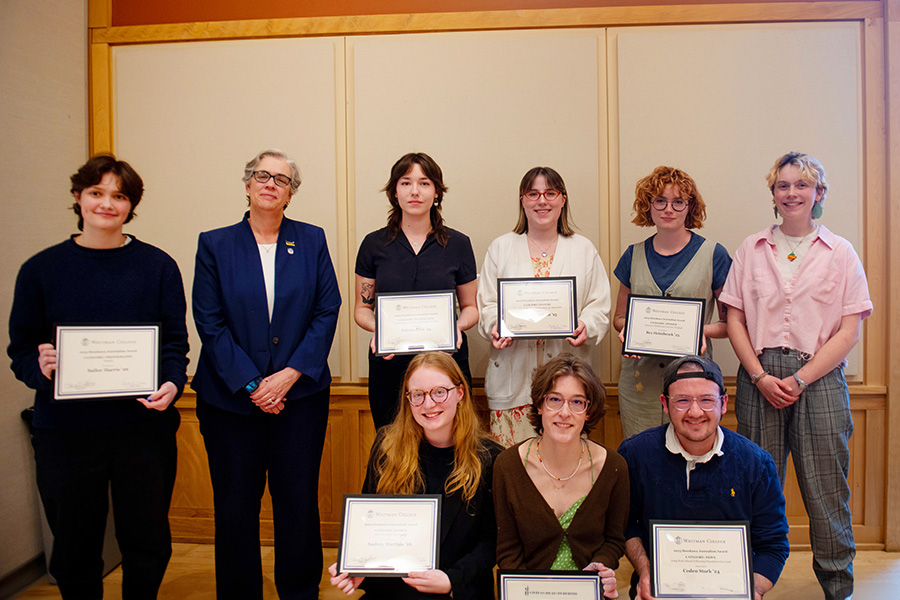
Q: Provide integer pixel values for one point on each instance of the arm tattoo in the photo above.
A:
(367, 293)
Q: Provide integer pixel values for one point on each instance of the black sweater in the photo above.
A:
(69, 284)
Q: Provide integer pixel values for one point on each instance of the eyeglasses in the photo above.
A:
(683, 403)
(438, 394)
(264, 176)
(677, 204)
(576, 405)
(535, 195)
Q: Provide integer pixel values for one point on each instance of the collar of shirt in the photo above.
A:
(675, 447)
(827, 237)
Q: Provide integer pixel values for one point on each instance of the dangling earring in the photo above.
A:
(775, 208)
(817, 209)
(436, 201)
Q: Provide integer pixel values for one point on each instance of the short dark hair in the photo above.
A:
(545, 377)
(92, 172)
(708, 370)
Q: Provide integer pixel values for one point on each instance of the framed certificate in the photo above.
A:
(536, 307)
(106, 361)
(549, 585)
(415, 322)
(663, 326)
(389, 536)
(707, 559)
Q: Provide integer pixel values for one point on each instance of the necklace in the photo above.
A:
(268, 247)
(543, 250)
(791, 255)
(578, 466)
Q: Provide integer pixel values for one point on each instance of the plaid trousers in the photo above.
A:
(816, 430)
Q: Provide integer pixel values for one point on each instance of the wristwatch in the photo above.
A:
(800, 382)
(251, 387)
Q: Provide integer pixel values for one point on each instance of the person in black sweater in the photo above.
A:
(84, 449)
(436, 446)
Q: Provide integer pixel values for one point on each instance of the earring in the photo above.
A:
(436, 201)
(817, 209)
(775, 208)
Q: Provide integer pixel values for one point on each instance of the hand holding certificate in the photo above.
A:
(109, 361)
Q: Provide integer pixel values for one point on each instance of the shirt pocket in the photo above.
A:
(826, 287)
(762, 284)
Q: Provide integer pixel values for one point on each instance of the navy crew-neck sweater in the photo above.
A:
(69, 284)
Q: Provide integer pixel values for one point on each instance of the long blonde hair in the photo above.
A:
(397, 467)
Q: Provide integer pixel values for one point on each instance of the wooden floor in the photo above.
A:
(190, 577)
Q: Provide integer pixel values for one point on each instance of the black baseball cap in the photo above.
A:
(710, 371)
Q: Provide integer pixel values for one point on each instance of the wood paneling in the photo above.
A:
(892, 222)
(351, 432)
(490, 20)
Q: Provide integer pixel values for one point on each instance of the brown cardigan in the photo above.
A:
(528, 531)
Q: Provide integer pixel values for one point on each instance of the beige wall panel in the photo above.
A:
(43, 78)
(723, 102)
(487, 107)
(188, 117)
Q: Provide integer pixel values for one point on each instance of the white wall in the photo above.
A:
(43, 94)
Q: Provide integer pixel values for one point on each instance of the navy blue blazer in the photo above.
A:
(232, 316)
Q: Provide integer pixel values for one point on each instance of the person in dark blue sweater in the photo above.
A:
(84, 449)
(694, 470)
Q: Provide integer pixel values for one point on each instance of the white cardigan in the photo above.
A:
(507, 380)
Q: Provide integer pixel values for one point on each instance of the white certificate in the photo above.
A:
(415, 322)
(549, 585)
(106, 361)
(536, 307)
(663, 326)
(389, 536)
(708, 560)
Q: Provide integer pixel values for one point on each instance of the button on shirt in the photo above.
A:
(806, 311)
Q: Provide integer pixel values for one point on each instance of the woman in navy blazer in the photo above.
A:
(266, 303)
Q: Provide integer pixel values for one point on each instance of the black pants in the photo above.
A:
(75, 472)
(244, 449)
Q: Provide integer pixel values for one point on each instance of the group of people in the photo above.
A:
(265, 303)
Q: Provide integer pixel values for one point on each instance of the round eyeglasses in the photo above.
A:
(683, 403)
(554, 403)
(534, 195)
(437, 394)
(677, 204)
(264, 176)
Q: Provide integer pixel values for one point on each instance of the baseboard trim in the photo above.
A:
(20, 579)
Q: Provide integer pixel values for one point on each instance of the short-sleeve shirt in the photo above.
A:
(666, 269)
(805, 312)
(396, 268)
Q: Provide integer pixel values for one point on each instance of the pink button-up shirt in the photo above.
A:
(805, 312)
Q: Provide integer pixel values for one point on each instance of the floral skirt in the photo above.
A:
(511, 426)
